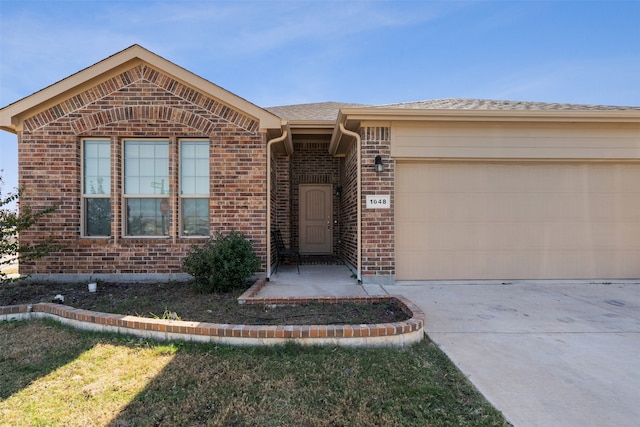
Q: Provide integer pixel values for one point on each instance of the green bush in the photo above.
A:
(12, 223)
(223, 264)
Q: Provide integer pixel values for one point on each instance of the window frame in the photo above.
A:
(199, 196)
(163, 196)
(85, 196)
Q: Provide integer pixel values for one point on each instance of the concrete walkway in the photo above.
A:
(545, 354)
(315, 280)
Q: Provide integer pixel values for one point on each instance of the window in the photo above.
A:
(146, 202)
(194, 187)
(146, 187)
(96, 187)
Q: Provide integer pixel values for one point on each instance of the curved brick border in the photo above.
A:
(366, 335)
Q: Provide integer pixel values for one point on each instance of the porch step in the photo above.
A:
(321, 259)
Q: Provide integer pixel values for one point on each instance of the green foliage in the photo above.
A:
(223, 264)
(167, 315)
(13, 222)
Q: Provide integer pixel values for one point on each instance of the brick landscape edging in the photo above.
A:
(366, 335)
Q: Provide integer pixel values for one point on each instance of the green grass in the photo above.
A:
(56, 376)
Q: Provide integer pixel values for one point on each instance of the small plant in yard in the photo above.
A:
(12, 222)
(222, 264)
(167, 315)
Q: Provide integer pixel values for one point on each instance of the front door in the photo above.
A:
(315, 219)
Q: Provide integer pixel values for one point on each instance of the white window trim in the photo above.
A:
(192, 196)
(83, 194)
(125, 196)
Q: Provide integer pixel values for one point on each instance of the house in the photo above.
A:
(145, 159)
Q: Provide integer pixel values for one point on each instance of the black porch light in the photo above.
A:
(379, 167)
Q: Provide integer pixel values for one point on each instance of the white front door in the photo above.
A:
(315, 219)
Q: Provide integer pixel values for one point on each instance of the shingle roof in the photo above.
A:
(487, 104)
(329, 110)
(314, 111)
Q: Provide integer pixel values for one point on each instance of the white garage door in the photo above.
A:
(506, 220)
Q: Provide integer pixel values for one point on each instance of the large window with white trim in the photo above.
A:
(194, 187)
(146, 187)
(96, 187)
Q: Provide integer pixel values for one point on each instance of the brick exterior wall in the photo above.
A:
(348, 207)
(378, 232)
(311, 163)
(140, 102)
(282, 180)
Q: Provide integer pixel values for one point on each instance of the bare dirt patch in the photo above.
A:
(179, 301)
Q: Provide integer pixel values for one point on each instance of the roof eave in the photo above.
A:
(312, 127)
(336, 135)
(395, 114)
(285, 146)
(352, 117)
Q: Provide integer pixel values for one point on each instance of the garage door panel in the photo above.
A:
(545, 177)
(465, 265)
(514, 236)
(421, 237)
(519, 207)
(505, 220)
(471, 265)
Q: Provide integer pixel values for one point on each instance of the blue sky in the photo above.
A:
(373, 52)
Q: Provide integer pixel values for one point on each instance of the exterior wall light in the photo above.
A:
(378, 164)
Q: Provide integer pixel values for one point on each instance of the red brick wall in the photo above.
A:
(378, 233)
(311, 163)
(282, 201)
(140, 102)
(348, 207)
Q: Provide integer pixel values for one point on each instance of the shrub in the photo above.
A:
(12, 223)
(223, 264)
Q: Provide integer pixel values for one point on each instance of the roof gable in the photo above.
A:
(86, 111)
(133, 58)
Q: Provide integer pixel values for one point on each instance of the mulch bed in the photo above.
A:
(179, 301)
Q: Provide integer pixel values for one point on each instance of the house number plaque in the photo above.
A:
(378, 202)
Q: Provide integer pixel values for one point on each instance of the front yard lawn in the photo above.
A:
(57, 376)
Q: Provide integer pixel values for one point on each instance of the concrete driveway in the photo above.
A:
(545, 354)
